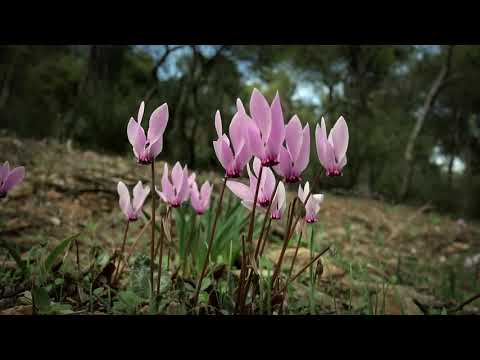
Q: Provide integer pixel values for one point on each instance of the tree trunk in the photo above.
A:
(420, 120)
(8, 76)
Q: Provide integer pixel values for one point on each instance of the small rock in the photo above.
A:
(55, 221)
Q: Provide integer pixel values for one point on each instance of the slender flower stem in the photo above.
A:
(250, 227)
(265, 238)
(285, 243)
(160, 255)
(242, 275)
(152, 241)
(267, 216)
(121, 252)
(259, 242)
(130, 252)
(306, 266)
(189, 244)
(214, 228)
(252, 217)
(295, 256)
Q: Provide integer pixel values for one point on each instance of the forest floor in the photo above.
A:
(385, 259)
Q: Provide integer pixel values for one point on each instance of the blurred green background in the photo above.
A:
(413, 110)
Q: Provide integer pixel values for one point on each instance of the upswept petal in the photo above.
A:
(293, 136)
(240, 190)
(339, 135)
(303, 157)
(155, 148)
(285, 163)
(277, 131)
(177, 176)
(132, 128)
(237, 131)
(124, 199)
(140, 194)
(167, 188)
(260, 112)
(218, 124)
(268, 183)
(255, 142)
(242, 157)
(158, 123)
(141, 109)
(13, 178)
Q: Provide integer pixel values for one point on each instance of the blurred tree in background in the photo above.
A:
(413, 111)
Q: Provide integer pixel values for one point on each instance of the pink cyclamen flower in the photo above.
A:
(278, 203)
(233, 157)
(200, 200)
(9, 179)
(247, 193)
(295, 156)
(332, 151)
(177, 191)
(267, 130)
(313, 203)
(131, 209)
(147, 148)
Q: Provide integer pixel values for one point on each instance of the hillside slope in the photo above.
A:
(385, 259)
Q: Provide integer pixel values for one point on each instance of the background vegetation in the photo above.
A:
(413, 111)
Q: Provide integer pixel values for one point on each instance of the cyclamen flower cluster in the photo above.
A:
(284, 148)
(261, 135)
(177, 187)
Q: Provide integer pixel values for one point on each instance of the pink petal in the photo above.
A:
(285, 163)
(218, 124)
(217, 147)
(277, 131)
(256, 166)
(177, 176)
(240, 107)
(140, 112)
(237, 131)
(14, 177)
(184, 190)
(240, 190)
(167, 188)
(242, 157)
(260, 112)
(139, 140)
(255, 142)
(293, 136)
(339, 135)
(139, 195)
(321, 141)
(281, 195)
(158, 123)
(269, 182)
(304, 154)
(124, 199)
(154, 149)
(132, 128)
(227, 155)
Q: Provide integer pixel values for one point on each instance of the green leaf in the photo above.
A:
(41, 299)
(59, 249)
(205, 284)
